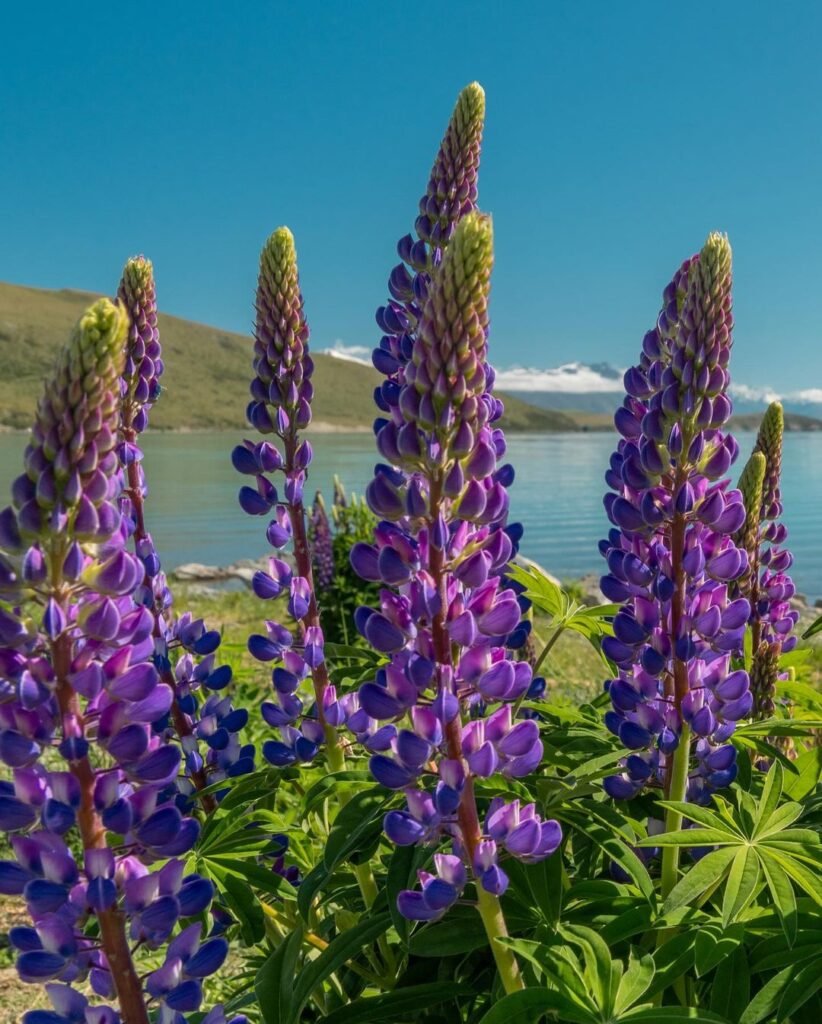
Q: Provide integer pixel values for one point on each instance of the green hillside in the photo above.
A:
(207, 371)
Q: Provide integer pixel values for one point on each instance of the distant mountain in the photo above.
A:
(590, 392)
(207, 371)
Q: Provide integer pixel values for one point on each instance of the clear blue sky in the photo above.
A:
(618, 135)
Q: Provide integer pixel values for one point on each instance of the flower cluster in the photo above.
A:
(450, 195)
(672, 560)
(439, 715)
(76, 673)
(201, 717)
(280, 406)
(321, 541)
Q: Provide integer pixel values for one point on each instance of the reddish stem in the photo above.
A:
(113, 939)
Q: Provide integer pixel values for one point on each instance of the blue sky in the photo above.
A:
(618, 135)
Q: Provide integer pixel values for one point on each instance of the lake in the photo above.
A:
(194, 516)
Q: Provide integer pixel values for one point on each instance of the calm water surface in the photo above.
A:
(194, 515)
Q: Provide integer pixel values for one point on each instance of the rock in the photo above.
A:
(197, 571)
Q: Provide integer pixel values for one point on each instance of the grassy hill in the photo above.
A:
(207, 371)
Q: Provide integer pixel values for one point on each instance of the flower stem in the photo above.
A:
(113, 939)
(467, 816)
(495, 928)
(673, 819)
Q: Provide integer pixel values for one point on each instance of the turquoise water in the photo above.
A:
(194, 516)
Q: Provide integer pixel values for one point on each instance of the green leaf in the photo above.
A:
(789, 990)
(343, 948)
(691, 837)
(460, 932)
(399, 1003)
(741, 885)
(809, 766)
(545, 882)
(309, 887)
(614, 848)
(672, 959)
(702, 816)
(731, 985)
(597, 962)
(659, 1014)
(806, 879)
(635, 981)
(806, 983)
(814, 628)
(783, 896)
(526, 1007)
(274, 983)
(356, 825)
(246, 907)
(699, 879)
(713, 943)
(324, 786)
(259, 877)
(780, 819)
(769, 801)
(402, 873)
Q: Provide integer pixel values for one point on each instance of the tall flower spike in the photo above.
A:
(184, 649)
(280, 406)
(672, 560)
(78, 683)
(440, 713)
(70, 461)
(768, 585)
(450, 195)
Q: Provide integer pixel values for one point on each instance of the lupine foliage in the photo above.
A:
(428, 836)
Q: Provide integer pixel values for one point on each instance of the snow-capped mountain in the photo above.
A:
(597, 388)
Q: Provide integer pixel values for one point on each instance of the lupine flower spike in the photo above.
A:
(672, 560)
(767, 585)
(450, 195)
(201, 717)
(439, 714)
(76, 672)
(281, 394)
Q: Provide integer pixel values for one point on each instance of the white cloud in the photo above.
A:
(750, 394)
(807, 396)
(572, 378)
(351, 353)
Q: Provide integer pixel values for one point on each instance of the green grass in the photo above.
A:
(207, 371)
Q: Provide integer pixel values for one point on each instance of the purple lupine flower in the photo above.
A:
(321, 540)
(76, 670)
(767, 585)
(672, 560)
(450, 195)
(280, 406)
(211, 752)
(438, 714)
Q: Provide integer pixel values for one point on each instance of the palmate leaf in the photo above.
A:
(705, 874)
